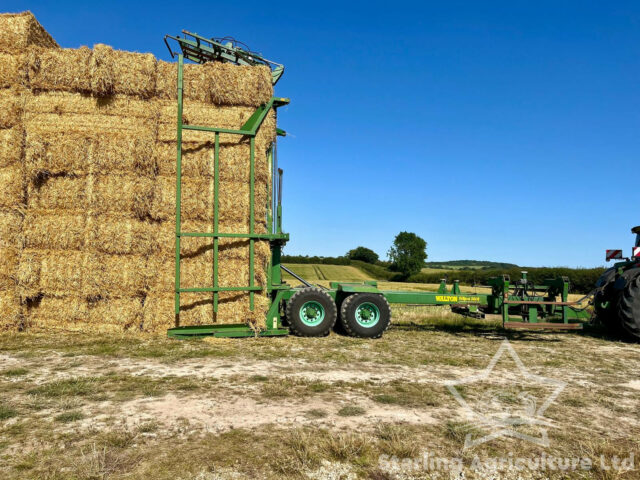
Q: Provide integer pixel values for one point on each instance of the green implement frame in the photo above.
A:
(530, 302)
(277, 238)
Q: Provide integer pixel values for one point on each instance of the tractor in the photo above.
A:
(617, 295)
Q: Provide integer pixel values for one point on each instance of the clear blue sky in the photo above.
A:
(505, 131)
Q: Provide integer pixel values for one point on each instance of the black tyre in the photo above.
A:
(365, 315)
(605, 299)
(311, 312)
(629, 304)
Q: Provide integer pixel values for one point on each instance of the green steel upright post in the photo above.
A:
(216, 185)
(178, 185)
(252, 219)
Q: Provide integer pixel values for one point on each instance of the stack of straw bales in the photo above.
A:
(87, 185)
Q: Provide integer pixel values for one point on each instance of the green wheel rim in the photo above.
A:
(312, 313)
(367, 315)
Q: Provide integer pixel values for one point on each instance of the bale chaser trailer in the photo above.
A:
(310, 310)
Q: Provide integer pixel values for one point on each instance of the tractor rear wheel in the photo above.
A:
(311, 312)
(629, 304)
(365, 315)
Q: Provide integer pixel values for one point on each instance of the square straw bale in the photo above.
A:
(115, 314)
(198, 197)
(12, 186)
(64, 103)
(217, 83)
(116, 275)
(197, 309)
(10, 310)
(9, 262)
(198, 161)
(91, 125)
(238, 85)
(125, 195)
(124, 236)
(21, 30)
(51, 272)
(194, 82)
(12, 105)
(56, 154)
(54, 230)
(66, 312)
(10, 229)
(62, 69)
(13, 70)
(59, 153)
(11, 146)
(60, 192)
(120, 72)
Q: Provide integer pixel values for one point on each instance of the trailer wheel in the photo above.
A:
(629, 304)
(311, 312)
(365, 315)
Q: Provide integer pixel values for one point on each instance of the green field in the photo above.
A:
(315, 272)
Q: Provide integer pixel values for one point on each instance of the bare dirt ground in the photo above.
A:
(103, 407)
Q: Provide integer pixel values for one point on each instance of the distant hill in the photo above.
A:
(468, 265)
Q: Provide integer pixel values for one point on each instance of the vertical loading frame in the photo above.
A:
(276, 239)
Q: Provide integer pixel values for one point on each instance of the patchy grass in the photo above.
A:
(351, 411)
(7, 412)
(68, 417)
(136, 407)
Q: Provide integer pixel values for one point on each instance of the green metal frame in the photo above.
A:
(277, 239)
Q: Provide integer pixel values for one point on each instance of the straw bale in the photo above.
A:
(115, 314)
(11, 105)
(63, 272)
(64, 103)
(198, 113)
(198, 161)
(197, 309)
(10, 310)
(11, 186)
(60, 192)
(123, 195)
(59, 153)
(124, 236)
(120, 72)
(21, 30)
(51, 272)
(76, 313)
(217, 83)
(54, 229)
(10, 228)
(197, 201)
(197, 272)
(239, 85)
(87, 124)
(55, 154)
(235, 248)
(194, 82)
(116, 275)
(9, 262)
(63, 69)
(68, 312)
(13, 70)
(11, 146)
